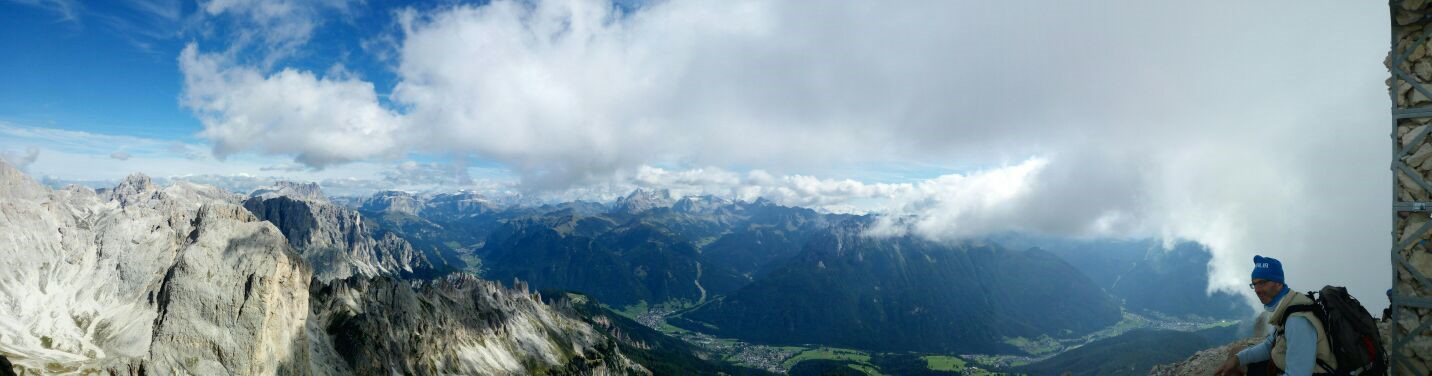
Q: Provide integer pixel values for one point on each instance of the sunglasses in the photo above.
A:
(1255, 284)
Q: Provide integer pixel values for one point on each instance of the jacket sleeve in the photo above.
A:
(1302, 346)
(1258, 353)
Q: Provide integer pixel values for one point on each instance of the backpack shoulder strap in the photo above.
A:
(1317, 313)
(1283, 320)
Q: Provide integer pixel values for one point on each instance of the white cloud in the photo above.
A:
(320, 120)
(23, 160)
(120, 155)
(273, 29)
(1250, 127)
(287, 167)
(66, 10)
(75, 156)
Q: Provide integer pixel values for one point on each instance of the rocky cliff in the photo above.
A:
(457, 325)
(1204, 362)
(143, 279)
(334, 239)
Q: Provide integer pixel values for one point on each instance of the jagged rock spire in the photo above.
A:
(135, 188)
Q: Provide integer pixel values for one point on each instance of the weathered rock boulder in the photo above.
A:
(1204, 363)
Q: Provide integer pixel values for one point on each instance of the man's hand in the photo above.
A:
(1230, 367)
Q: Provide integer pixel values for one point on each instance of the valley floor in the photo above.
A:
(783, 359)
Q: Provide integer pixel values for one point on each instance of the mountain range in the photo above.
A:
(755, 271)
(905, 293)
(140, 279)
(187, 278)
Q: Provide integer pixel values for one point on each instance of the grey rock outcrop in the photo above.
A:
(458, 205)
(440, 207)
(1204, 362)
(457, 325)
(335, 240)
(392, 201)
(134, 189)
(1207, 361)
(302, 191)
(142, 279)
(235, 301)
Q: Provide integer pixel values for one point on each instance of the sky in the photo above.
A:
(1251, 127)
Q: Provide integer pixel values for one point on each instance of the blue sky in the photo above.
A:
(110, 67)
(79, 74)
(1210, 121)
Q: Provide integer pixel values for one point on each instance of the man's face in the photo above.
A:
(1266, 289)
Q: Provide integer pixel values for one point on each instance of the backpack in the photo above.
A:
(1351, 332)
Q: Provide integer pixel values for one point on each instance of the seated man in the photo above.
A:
(1296, 347)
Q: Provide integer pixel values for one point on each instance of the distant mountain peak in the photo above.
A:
(135, 182)
(641, 193)
(134, 188)
(641, 200)
(303, 191)
(392, 201)
(700, 204)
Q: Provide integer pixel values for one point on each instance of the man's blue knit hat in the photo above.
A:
(1267, 268)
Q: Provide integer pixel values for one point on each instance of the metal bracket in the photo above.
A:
(1414, 206)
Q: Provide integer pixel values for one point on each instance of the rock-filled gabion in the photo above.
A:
(1412, 55)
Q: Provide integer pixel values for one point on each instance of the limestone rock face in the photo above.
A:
(457, 325)
(139, 277)
(392, 201)
(335, 240)
(440, 207)
(458, 205)
(133, 190)
(235, 300)
(301, 191)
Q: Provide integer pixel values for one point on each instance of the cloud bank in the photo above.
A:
(1253, 128)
